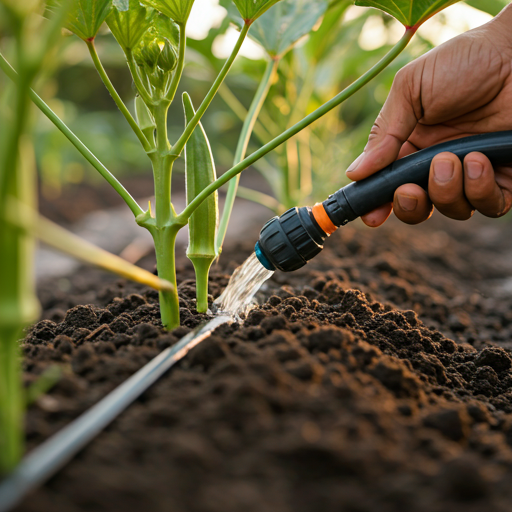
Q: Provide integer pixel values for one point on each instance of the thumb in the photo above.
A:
(392, 127)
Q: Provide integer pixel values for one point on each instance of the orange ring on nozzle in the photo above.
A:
(323, 220)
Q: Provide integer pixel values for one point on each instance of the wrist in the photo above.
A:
(502, 23)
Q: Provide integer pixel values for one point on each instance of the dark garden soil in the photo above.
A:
(378, 378)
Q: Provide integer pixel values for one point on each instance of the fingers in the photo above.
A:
(456, 190)
(392, 128)
(481, 187)
(377, 217)
(412, 204)
(446, 187)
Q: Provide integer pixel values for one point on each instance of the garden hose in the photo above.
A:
(288, 242)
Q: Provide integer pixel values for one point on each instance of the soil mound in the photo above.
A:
(378, 378)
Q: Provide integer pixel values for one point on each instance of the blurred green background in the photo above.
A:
(346, 44)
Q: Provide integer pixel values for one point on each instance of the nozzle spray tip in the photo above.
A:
(262, 258)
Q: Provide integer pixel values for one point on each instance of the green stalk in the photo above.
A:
(241, 150)
(18, 302)
(180, 144)
(115, 96)
(165, 245)
(61, 239)
(171, 93)
(11, 399)
(308, 120)
(79, 145)
(164, 227)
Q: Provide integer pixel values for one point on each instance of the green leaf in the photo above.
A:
(410, 13)
(85, 16)
(290, 20)
(178, 10)
(128, 21)
(200, 172)
(250, 10)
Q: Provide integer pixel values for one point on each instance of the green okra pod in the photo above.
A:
(200, 172)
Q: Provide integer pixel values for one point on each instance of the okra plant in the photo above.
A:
(152, 35)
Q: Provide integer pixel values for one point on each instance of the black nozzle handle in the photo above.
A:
(362, 197)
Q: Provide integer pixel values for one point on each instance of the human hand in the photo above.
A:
(461, 88)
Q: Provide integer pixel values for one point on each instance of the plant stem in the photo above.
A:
(202, 268)
(11, 399)
(79, 145)
(171, 93)
(59, 238)
(115, 96)
(241, 150)
(18, 302)
(164, 227)
(162, 168)
(311, 118)
(180, 144)
(165, 245)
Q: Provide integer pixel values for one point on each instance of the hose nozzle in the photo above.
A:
(288, 242)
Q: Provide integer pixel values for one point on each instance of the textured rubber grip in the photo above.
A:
(362, 197)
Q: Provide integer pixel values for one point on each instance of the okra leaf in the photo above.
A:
(290, 20)
(251, 10)
(85, 16)
(410, 13)
(128, 22)
(178, 10)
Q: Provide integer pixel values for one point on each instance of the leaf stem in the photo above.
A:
(79, 145)
(180, 144)
(241, 150)
(171, 93)
(144, 94)
(115, 96)
(308, 120)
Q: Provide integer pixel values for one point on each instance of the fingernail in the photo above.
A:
(474, 169)
(355, 164)
(443, 171)
(407, 203)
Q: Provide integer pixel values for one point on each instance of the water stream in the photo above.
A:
(245, 282)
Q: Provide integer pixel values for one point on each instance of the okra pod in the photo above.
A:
(200, 172)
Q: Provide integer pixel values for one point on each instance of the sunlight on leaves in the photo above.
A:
(128, 22)
(290, 20)
(86, 17)
(178, 10)
(409, 12)
(250, 10)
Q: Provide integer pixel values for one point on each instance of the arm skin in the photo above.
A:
(461, 88)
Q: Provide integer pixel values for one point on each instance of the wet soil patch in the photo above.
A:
(378, 378)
